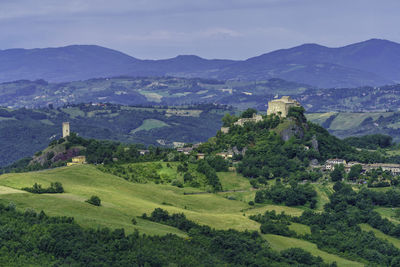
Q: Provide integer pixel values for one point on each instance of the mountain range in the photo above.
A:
(372, 62)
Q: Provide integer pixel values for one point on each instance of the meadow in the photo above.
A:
(123, 200)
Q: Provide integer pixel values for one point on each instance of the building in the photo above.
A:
(78, 160)
(200, 156)
(393, 168)
(178, 144)
(143, 152)
(65, 129)
(330, 163)
(225, 130)
(225, 155)
(281, 106)
(185, 150)
(256, 118)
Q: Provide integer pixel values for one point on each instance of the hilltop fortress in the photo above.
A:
(281, 106)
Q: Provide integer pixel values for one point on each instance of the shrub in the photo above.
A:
(177, 183)
(55, 187)
(94, 200)
(134, 221)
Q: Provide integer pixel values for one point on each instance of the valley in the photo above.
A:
(270, 189)
(199, 133)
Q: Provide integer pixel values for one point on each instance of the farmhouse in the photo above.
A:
(200, 155)
(77, 161)
(185, 150)
(225, 155)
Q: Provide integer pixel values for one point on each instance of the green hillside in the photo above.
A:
(257, 187)
(23, 132)
(346, 124)
(123, 200)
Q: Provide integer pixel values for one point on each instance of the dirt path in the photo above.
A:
(226, 191)
(8, 190)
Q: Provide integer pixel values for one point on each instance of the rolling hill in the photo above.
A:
(372, 62)
(270, 190)
(123, 200)
(24, 132)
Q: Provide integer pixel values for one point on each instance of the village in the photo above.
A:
(279, 107)
(331, 164)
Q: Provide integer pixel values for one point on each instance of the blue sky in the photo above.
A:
(236, 29)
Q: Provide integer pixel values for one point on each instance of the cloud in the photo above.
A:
(220, 32)
(181, 36)
(33, 8)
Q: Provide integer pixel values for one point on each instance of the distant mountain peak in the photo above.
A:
(371, 62)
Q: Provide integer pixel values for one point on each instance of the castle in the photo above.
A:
(256, 118)
(281, 106)
(278, 106)
(65, 129)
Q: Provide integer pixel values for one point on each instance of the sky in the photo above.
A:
(156, 29)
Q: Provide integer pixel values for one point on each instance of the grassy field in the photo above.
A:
(379, 234)
(346, 120)
(123, 200)
(323, 192)
(299, 228)
(278, 208)
(388, 213)
(281, 242)
(150, 124)
(233, 181)
(319, 117)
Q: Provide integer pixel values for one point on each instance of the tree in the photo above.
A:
(94, 200)
(355, 171)
(338, 173)
(228, 119)
(298, 113)
(248, 113)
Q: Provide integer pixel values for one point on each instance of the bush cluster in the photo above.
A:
(55, 187)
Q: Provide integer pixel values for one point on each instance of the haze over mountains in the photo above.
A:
(373, 62)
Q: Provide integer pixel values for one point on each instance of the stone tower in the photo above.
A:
(65, 129)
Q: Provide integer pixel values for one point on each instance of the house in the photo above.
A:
(185, 150)
(144, 152)
(330, 163)
(78, 160)
(178, 144)
(393, 168)
(200, 156)
(225, 155)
